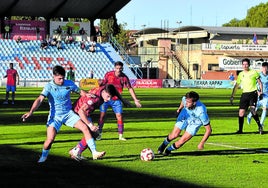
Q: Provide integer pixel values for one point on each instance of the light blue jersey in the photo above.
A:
(264, 81)
(59, 96)
(264, 101)
(60, 104)
(192, 119)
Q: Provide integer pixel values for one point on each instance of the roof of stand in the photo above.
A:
(91, 9)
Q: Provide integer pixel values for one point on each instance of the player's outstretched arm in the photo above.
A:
(205, 137)
(34, 107)
(133, 95)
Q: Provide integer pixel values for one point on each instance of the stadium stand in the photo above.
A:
(33, 63)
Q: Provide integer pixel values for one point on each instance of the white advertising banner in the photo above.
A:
(234, 47)
(228, 63)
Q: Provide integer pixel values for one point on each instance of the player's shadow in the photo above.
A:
(219, 152)
(19, 168)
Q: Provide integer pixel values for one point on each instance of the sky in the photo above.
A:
(139, 14)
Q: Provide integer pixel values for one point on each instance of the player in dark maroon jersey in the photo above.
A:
(85, 105)
(119, 80)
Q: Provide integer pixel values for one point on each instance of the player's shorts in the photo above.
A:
(248, 99)
(191, 127)
(115, 104)
(10, 88)
(69, 119)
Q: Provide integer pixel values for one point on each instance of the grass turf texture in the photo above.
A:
(228, 160)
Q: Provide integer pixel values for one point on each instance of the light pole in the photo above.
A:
(148, 67)
(179, 22)
(143, 26)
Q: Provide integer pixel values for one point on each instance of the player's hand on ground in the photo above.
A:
(137, 103)
(200, 146)
(232, 100)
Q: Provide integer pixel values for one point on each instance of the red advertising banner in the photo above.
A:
(147, 83)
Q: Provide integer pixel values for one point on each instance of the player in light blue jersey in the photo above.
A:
(58, 93)
(191, 117)
(262, 99)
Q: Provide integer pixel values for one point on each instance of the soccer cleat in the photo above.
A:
(98, 137)
(167, 152)
(122, 138)
(42, 159)
(5, 102)
(261, 130)
(248, 119)
(98, 155)
(76, 155)
(161, 149)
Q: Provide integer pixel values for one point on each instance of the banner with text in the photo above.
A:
(207, 83)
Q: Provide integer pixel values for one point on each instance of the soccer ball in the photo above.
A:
(147, 154)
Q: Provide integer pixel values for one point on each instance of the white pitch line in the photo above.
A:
(224, 145)
(235, 147)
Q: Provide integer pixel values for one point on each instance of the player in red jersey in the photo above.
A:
(12, 77)
(119, 80)
(86, 105)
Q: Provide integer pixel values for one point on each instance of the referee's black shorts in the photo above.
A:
(248, 99)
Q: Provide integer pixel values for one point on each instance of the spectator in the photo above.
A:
(99, 35)
(7, 31)
(91, 75)
(92, 47)
(59, 32)
(18, 40)
(231, 77)
(53, 42)
(44, 44)
(59, 45)
(82, 32)
(12, 77)
(71, 75)
(37, 29)
(82, 45)
(69, 31)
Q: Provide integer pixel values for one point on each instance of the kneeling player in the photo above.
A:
(191, 118)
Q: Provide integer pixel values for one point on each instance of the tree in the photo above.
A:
(110, 27)
(256, 17)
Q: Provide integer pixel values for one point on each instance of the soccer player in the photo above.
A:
(12, 78)
(58, 93)
(262, 99)
(248, 79)
(119, 80)
(191, 118)
(86, 105)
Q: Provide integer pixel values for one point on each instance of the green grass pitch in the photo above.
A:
(228, 160)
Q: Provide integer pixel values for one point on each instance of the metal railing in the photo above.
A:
(126, 58)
